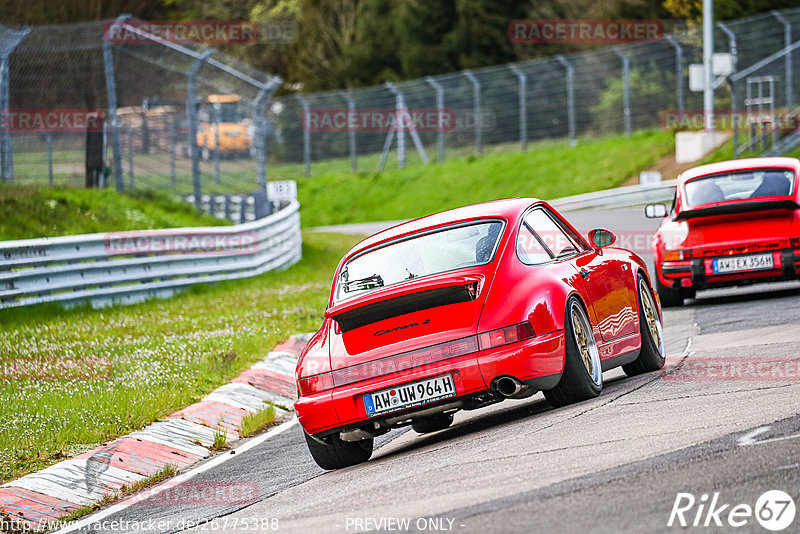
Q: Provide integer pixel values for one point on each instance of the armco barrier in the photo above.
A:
(620, 197)
(127, 267)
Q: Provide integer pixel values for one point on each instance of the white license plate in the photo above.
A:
(756, 262)
(409, 395)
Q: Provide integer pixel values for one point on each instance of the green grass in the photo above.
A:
(220, 440)
(258, 421)
(71, 379)
(141, 362)
(29, 212)
(547, 170)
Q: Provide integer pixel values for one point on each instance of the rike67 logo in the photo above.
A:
(774, 510)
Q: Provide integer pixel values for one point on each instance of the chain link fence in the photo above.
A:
(187, 119)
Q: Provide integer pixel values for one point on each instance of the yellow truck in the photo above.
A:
(220, 120)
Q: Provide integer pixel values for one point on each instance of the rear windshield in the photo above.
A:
(739, 185)
(451, 248)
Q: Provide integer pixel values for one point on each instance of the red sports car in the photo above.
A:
(731, 223)
(465, 308)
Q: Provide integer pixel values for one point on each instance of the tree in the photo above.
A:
(724, 9)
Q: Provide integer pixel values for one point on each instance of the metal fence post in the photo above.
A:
(172, 142)
(50, 157)
(259, 141)
(787, 41)
(6, 162)
(191, 111)
(111, 91)
(476, 104)
(678, 71)
(306, 137)
(735, 118)
(570, 98)
(732, 44)
(400, 121)
(400, 106)
(523, 121)
(351, 133)
(6, 151)
(626, 92)
(130, 156)
(217, 119)
(439, 111)
(260, 121)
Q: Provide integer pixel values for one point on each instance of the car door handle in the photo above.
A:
(585, 274)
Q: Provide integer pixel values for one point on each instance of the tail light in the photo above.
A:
(504, 336)
(315, 384)
(796, 242)
(677, 255)
(405, 361)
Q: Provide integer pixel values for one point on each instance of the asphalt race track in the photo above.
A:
(614, 464)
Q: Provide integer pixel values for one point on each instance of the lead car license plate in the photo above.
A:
(409, 395)
(756, 262)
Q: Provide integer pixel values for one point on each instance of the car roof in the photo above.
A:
(508, 209)
(739, 165)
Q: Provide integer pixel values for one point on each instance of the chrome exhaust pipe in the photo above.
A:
(355, 434)
(511, 388)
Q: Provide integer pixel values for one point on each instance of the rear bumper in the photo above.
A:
(538, 360)
(698, 273)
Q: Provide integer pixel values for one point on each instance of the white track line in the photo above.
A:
(214, 462)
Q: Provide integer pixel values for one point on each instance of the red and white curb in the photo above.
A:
(181, 440)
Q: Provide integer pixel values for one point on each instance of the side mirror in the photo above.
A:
(655, 211)
(600, 238)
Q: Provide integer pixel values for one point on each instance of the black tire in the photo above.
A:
(339, 454)
(577, 382)
(432, 423)
(653, 353)
(670, 298)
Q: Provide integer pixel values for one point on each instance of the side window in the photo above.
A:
(550, 234)
(529, 248)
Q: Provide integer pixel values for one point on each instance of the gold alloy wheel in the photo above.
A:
(651, 317)
(587, 348)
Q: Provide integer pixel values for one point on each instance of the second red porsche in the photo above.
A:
(731, 223)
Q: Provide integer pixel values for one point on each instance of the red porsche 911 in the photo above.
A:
(463, 309)
(731, 223)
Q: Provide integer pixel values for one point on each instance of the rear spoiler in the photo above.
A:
(738, 207)
(409, 299)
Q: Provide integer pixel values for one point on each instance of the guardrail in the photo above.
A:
(620, 197)
(127, 267)
(243, 208)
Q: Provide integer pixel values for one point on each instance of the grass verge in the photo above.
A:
(547, 170)
(256, 422)
(71, 379)
(30, 212)
(333, 195)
